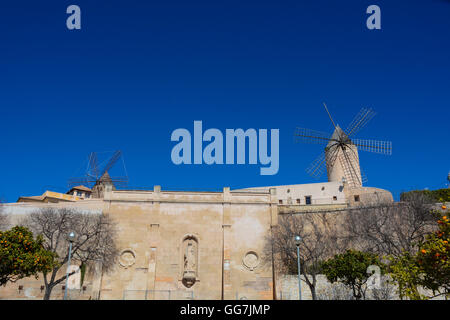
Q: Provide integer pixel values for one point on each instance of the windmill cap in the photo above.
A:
(338, 134)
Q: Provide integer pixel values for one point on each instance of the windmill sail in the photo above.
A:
(341, 158)
(317, 167)
(97, 175)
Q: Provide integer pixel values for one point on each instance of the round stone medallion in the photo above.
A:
(127, 258)
(250, 260)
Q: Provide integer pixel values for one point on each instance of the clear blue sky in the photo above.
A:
(137, 70)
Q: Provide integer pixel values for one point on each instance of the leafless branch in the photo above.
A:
(320, 240)
(390, 229)
(94, 242)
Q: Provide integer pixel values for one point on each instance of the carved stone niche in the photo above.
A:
(189, 251)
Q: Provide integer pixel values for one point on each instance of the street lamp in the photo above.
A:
(298, 239)
(70, 238)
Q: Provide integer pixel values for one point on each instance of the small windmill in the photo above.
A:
(341, 158)
(97, 176)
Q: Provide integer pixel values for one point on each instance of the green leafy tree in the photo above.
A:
(350, 269)
(433, 258)
(405, 272)
(429, 268)
(22, 256)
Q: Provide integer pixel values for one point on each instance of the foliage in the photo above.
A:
(439, 195)
(405, 272)
(22, 256)
(429, 268)
(350, 268)
(433, 258)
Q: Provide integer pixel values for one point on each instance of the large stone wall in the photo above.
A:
(224, 231)
(169, 239)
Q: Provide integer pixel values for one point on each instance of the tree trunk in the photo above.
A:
(356, 292)
(312, 288)
(49, 284)
(311, 285)
(48, 291)
(313, 292)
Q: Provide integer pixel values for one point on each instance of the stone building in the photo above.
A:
(175, 245)
(188, 245)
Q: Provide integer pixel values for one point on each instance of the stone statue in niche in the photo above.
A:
(189, 261)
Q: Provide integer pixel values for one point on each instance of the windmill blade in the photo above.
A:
(356, 120)
(119, 179)
(361, 119)
(93, 164)
(317, 167)
(347, 160)
(376, 146)
(79, 181)
(120, 182)
(331, 154)
(329, 115)
(121, 186)
(111, 162)
(354, 156)
(311, 136)
(363, 176)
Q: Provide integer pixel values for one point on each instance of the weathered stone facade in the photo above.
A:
(176, 245)
(190, 245)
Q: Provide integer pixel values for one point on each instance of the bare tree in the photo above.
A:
(319, 240)
(390, 229)
(95, 239)
(335, 291)
(386, 290)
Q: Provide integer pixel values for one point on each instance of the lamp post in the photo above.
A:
(71, 238)
(297, 243)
